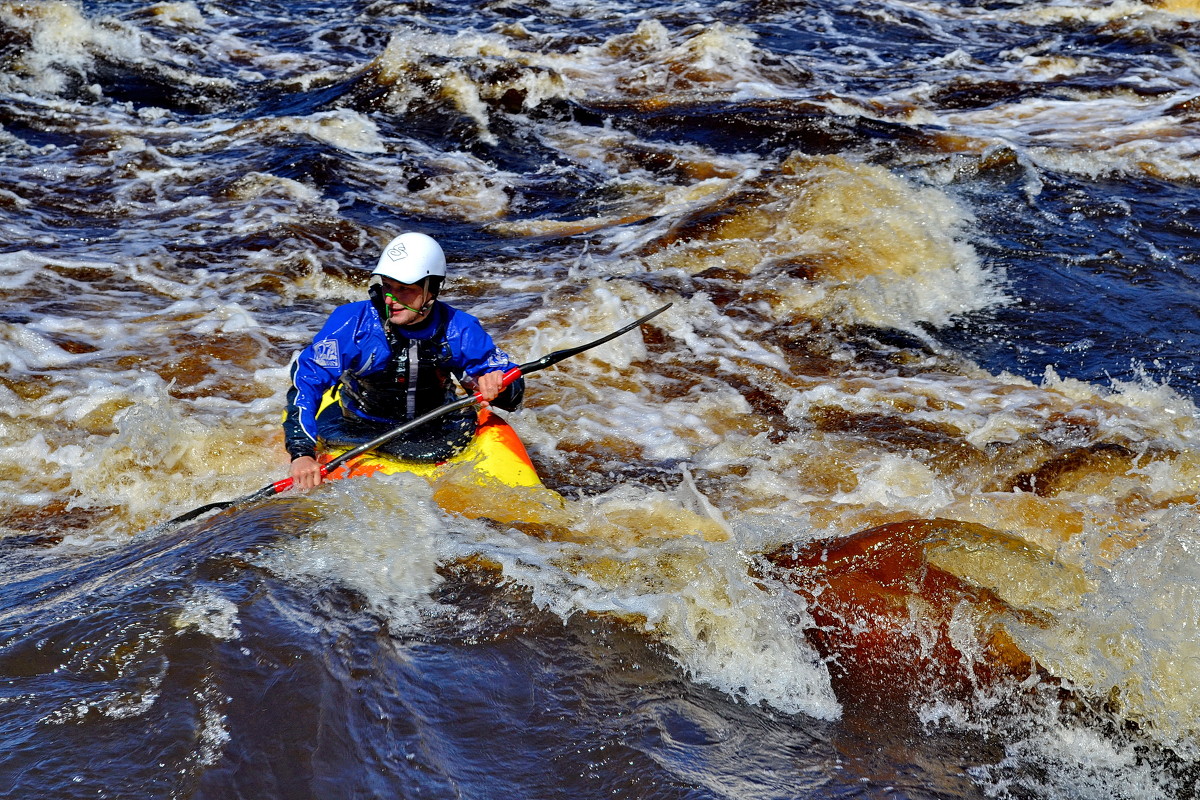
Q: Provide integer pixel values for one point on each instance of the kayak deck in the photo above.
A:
(496, 453)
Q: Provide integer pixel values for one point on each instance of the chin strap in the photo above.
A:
(375, 293)
(422, 311)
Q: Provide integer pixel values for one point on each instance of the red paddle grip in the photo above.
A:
(283, 484)
(509, 377)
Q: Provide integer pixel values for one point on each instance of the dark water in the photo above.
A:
(933, 269)
(317, 696)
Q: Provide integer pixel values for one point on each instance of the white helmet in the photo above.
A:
(411, 258)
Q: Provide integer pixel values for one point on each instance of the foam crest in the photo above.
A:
(58, 35)
(160, 457)
(1096, 137)
(696, 61)
(469, 70)
(599, 309)
(383, 538)
(344, 129)
(178, 14)
(1125, 14)
(625, 557)
(18, 268)
(451, 185)
(1072, 761)
(896, 482)
(730, 634)
(831, 238)
(64, 46)
(25, 350)
(478, 73)
(1133, 640)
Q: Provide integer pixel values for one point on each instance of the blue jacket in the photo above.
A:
(354, 349)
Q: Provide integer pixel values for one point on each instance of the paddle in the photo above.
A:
(509, 376)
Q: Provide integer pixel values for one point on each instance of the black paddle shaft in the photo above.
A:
(509, 376)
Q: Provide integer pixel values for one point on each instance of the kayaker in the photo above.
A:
(392, 358)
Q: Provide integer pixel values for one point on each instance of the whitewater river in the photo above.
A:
(898, 499)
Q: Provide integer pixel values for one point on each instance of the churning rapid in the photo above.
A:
(897, 500)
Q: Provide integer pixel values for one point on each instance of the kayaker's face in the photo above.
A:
(406, 302)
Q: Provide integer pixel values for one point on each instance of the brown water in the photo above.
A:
(897, 500)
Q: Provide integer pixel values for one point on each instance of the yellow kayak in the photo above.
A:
(496, 453)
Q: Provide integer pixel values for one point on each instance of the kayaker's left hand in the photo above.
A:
(489, 385)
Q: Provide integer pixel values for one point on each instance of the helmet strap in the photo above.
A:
(434, 284)
(375, 293)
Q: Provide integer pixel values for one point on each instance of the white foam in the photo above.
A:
(383, 538)
(210, 614)
(723, 627)
(345, 129)
(893, 481)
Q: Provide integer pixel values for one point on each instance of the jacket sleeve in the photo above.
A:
(314, 370)
(477, 354)
(300, 415)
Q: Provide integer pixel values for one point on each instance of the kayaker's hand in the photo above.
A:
(490, 384)
(306, 473)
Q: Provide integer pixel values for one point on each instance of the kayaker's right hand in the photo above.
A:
(306, 473)
(489, 385)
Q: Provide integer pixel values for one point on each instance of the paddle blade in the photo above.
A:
(267, 491)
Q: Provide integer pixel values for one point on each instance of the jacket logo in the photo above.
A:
(397, 251)
(325, 353)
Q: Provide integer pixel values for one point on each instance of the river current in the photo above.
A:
(897, 500)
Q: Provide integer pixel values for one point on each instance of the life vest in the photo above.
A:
(416, 379)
